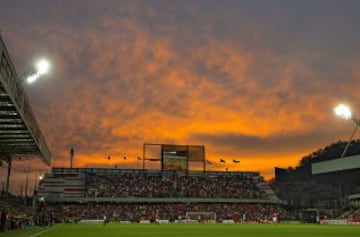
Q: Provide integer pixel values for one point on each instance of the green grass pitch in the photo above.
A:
(188, 230)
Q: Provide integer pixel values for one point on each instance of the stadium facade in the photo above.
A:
(322, 180)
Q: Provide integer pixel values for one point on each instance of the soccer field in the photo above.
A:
(187, 230)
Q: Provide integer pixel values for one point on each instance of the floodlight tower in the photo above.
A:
(344, 112)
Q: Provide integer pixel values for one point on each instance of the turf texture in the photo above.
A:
(188, 230)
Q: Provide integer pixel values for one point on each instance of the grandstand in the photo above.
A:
(136, 195)
(178, 195)
(174, 193)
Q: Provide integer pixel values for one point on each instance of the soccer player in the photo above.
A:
(105, 219)
(157, 217)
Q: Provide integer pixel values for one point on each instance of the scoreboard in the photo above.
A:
(175, 160)
(177, 157)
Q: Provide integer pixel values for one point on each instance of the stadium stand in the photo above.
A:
(137, 195)
(171, 212)
(355, 215)
(142, 185)
(63, 185)
(16, 212)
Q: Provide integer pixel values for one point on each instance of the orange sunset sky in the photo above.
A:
(251, 80)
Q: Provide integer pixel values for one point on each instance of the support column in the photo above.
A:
(8, 159)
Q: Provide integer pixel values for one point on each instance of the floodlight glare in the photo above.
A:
(343, 111)
(42, 67)
(31, 78)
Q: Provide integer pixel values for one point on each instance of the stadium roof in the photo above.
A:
(20, 134)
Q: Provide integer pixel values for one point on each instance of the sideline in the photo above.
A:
(46, 230)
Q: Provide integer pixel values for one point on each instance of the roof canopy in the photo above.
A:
(19, 131)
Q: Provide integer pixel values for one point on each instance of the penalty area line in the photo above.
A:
(46, 230)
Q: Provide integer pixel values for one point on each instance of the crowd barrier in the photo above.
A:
(353, 222)
(144, 222)
(334, 222)
(228, 222)
(92, 221)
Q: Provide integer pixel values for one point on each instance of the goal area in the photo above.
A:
(201, 217)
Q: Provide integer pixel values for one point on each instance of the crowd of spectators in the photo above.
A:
(355, 215)
(175, 211)
(158, 185)
(14, 212)
(143, 185)
(18, 212)
(352, 215)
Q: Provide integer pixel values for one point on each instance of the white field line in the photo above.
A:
(46, 230)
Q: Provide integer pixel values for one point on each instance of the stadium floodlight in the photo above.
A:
(344, 111)
(41, 68)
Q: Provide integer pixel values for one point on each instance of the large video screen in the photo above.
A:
(174, 158)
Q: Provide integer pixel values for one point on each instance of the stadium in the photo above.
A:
(319, 197)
